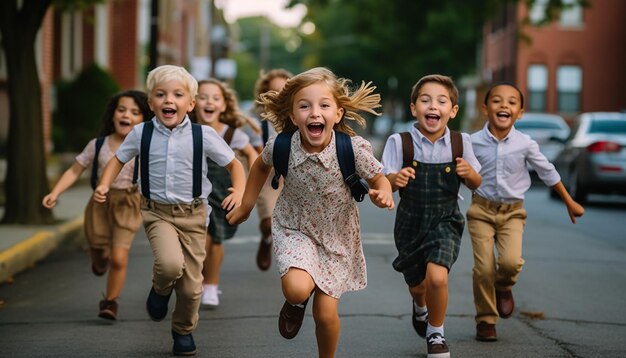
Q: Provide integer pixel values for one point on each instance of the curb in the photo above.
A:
(25, 254)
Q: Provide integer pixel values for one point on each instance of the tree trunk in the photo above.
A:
(26, 180)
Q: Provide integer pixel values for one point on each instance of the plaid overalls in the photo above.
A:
(429, 224)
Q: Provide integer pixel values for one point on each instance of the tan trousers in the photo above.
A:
(501, 226)
(177, 237)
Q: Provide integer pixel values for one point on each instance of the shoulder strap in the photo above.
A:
(196, 131)
(146, 138)
(345, 156)
(456, 142)
(265, 126)
(228, 136)
(407, 149)
(280, 156)
(94, 167)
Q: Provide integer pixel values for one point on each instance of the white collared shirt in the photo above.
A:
(504, 170)
(171, 159)
(425, 151)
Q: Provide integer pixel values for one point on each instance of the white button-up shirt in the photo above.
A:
(504, 170)
(425, 151)
(171, 159)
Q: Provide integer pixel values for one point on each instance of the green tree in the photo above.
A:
(26, 181)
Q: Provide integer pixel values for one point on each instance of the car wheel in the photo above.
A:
(577, 190)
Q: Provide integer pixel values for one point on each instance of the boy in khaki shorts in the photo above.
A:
(174, 188)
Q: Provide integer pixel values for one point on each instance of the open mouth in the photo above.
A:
(169, 111)
(503, 115)
(125, 123)
(315, 129)
(209, 111)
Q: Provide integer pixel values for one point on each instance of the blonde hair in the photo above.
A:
(278, 105)
(166, 73)
(232, 116)
(445, 81)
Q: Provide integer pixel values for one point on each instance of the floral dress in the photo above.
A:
(315, 225)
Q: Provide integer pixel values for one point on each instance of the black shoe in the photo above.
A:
(264, 254)
(108, 309)
(183, 345)
(157, 305)
(419, 325)
(437, 347)
(290, 319)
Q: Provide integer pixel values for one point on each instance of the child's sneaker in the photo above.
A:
(437, 347)
(210, 296)
(420, 322)
(108, 309)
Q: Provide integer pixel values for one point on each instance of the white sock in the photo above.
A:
(422, 312)
(206, 286)
(432, 329)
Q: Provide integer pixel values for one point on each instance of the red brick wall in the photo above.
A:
(123, 49)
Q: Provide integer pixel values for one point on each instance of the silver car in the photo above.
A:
(594, 159)
(550, 131)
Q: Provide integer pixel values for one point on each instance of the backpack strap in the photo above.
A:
(407, 149)
(144, 156)
(456, 142)
(94, 167)
(280, 156)
(345, 155)
(136, 170)
(228, 136)
(196, 131)
(265, 127)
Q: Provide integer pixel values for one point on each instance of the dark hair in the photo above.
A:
(445, 81)
(504, 83)
(140, 98)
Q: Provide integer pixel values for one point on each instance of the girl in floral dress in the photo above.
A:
(315, 225)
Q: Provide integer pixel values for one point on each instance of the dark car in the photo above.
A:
(594, 159)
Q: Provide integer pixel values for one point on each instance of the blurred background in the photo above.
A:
(567, 56)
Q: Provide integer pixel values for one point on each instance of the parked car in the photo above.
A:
(594, 159)
(550, 131)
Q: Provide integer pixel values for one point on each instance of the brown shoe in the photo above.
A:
(486, 332)
(505, 303)
(108, 309)
(264, 254)
(290, 319)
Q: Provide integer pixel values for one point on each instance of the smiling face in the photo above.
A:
(210, 104)
(433, 109)
(170, 101)
(126, 115)
(503, 108)
(314, 111)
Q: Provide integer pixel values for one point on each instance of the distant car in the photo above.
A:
(594, 159)
(550, 131)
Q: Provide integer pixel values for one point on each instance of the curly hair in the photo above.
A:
(141, 100)
(278, 105)
(263, 85)
(232, 116)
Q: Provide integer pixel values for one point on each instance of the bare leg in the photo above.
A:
(327, 324)
(213, 261)
(117, 272)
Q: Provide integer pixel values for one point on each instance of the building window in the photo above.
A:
(537, 86)
(571, 15)
(537, 13)
(569, 82)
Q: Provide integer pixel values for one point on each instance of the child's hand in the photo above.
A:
(402, 178)
(238, 215)
(574, 210)
(49, 201)
(463, 169)
(233, 200)
(382, 198)
(100, 194)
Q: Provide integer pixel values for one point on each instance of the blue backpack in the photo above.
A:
(345, 154)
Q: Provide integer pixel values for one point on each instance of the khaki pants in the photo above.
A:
(501, 226)
(177, 237)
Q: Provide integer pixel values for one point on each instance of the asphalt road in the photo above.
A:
(574, 282)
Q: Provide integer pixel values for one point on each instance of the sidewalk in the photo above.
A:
(21, 246)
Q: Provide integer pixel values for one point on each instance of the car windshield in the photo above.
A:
(526, 124)
(604, 126)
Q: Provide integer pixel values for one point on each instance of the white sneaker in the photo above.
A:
(210, 296)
